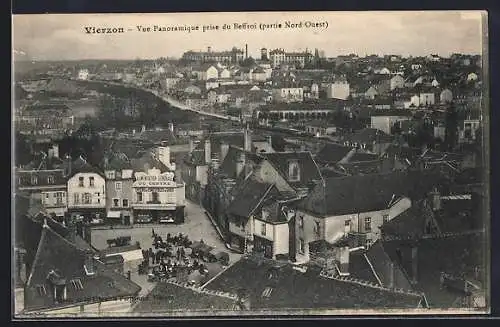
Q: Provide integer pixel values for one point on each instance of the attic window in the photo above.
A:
(267, 292)
(40, 288)
(34, 180)
(77, 284)
(50, 179)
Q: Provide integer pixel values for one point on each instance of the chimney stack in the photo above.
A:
(270, 140)
(344, 260)
(224, 149)
(208, 152)
(240, 164)
(247, 139)
(436, 199)
(414, 263)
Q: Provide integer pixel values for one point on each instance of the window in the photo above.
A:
(87, 198)
(118, 186)
(125, 202)
(301, 245)
(111, 174)
(368, 224)
(34, 180)
(293, 171)
(76, 198)
(116, 202)
(347, 223)
(91, 181)
(59, 197)
(50, 179)
(155, 197)
(80, 181)
(139, 196)
(385, 218)
(77, 284)
(368, 243)
(40, 288)
(263, 229)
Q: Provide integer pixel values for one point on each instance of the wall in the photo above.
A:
(281, 239)
(258, 229)
(117, 306)
(98, 191)
(338, 91)
(202, 174)
(50, 203)
(125, 193)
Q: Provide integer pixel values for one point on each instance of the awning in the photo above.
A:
(114, 214)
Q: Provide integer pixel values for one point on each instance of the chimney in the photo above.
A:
(224, 149)
(89, 263)
(171, 127)
(390, 281)
(344, 260)
(247, 139)
(215, 164)
(240, 164)
(414, 264)
(191, 144)
(54, 151)
(435, 199)
(164, 155)
(270, 140)
(208, 152)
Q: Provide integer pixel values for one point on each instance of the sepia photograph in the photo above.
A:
(241, 164)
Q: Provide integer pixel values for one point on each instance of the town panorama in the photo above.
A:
(221, 182)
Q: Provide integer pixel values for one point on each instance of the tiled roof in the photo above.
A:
(332, 153)
(67, 261)
(249, 197)
(309, 170)
(363, 193)
(167, 297)
(290, 289)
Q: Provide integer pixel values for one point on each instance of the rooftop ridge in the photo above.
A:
(433, 236)
(352, 280)
(202, 290)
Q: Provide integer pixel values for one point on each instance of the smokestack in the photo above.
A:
(208, 152)
(246, 51)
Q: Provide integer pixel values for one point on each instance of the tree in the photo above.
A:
(278, 143)
(248, 62)
(22, 150)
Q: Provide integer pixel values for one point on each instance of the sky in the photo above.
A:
(418, 33)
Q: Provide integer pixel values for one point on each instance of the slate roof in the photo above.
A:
(309, 170)
(117, 161)
(364, 193)
(147, 161)
(57, 254)
(80, 165)
(455, 255)
(25, 178)
(359, 156)
(291, 289)
(332, 153)
(228, 165)
(167, 297)
(369, 135)
(249, 197)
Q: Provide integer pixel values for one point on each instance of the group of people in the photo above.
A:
(170, 258)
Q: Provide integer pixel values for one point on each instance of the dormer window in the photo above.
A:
(111, 174)
(34, 180)
(293, 171)
(50, 179)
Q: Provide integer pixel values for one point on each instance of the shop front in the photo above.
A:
(88, 215)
